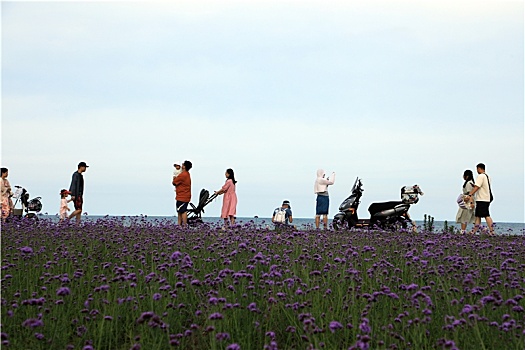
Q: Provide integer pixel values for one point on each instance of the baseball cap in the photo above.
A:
(64, 191)
(83, 164)
(287, 203)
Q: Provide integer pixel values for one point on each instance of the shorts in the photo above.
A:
(482, 209)
(182, 207)
(322, 204)
(78, 202)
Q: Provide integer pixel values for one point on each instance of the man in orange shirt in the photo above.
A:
(182, 184)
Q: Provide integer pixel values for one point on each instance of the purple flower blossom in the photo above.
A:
(334, 325)
(32, 323)
(222, 336)
(145, 316)
(467, 309)
(252, 307)
(26, 250)
(63, 291)
(216, 316)
(364, 327)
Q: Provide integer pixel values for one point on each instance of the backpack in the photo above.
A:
(280, 216)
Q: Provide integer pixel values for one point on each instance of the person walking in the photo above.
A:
(466, 215)
(7, 203)
(182, 184)
(483, 199)
(77, 190)
(64, 208)
(323, 199)
(229, 202)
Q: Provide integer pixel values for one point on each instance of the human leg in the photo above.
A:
(477, 225)
(78, 202)
(481, 211)
(321, 209)
(5, 209)
(76, 214)
(490, 224)
(182, 213)
(232, 220)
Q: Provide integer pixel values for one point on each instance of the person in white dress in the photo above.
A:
(467, 216)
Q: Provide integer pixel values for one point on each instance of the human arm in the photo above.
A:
(64, 204)
(477, 186)
(177, 180)
(473, 191)
(331, 179)
(224, 188)
(74, 187)
(8, 188)
(468, 196)
(328, 181)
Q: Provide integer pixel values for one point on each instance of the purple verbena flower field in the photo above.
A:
(153, 285)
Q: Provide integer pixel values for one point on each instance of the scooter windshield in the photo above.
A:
(350, 200)
(355, 185)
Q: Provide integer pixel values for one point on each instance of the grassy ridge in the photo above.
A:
(152, 285)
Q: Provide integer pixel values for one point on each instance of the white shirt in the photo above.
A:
(483, 193)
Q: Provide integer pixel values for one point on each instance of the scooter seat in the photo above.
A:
(378, 207)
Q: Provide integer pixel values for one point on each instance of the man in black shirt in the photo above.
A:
(77, 190)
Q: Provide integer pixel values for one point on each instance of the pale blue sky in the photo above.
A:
(396, 92)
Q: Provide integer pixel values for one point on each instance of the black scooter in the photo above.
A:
(387, 215)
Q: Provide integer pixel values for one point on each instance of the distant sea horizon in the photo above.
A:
(514, 228)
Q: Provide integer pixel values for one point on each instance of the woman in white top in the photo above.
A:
(467, 216)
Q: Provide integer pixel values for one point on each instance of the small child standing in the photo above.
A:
(63, 204)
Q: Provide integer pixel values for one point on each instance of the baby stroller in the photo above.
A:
(195, 212)
(29, 207)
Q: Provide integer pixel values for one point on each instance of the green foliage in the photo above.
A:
(449, 229)
(412, 291)
(428, 223)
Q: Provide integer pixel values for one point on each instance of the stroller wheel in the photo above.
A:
(31, 216)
